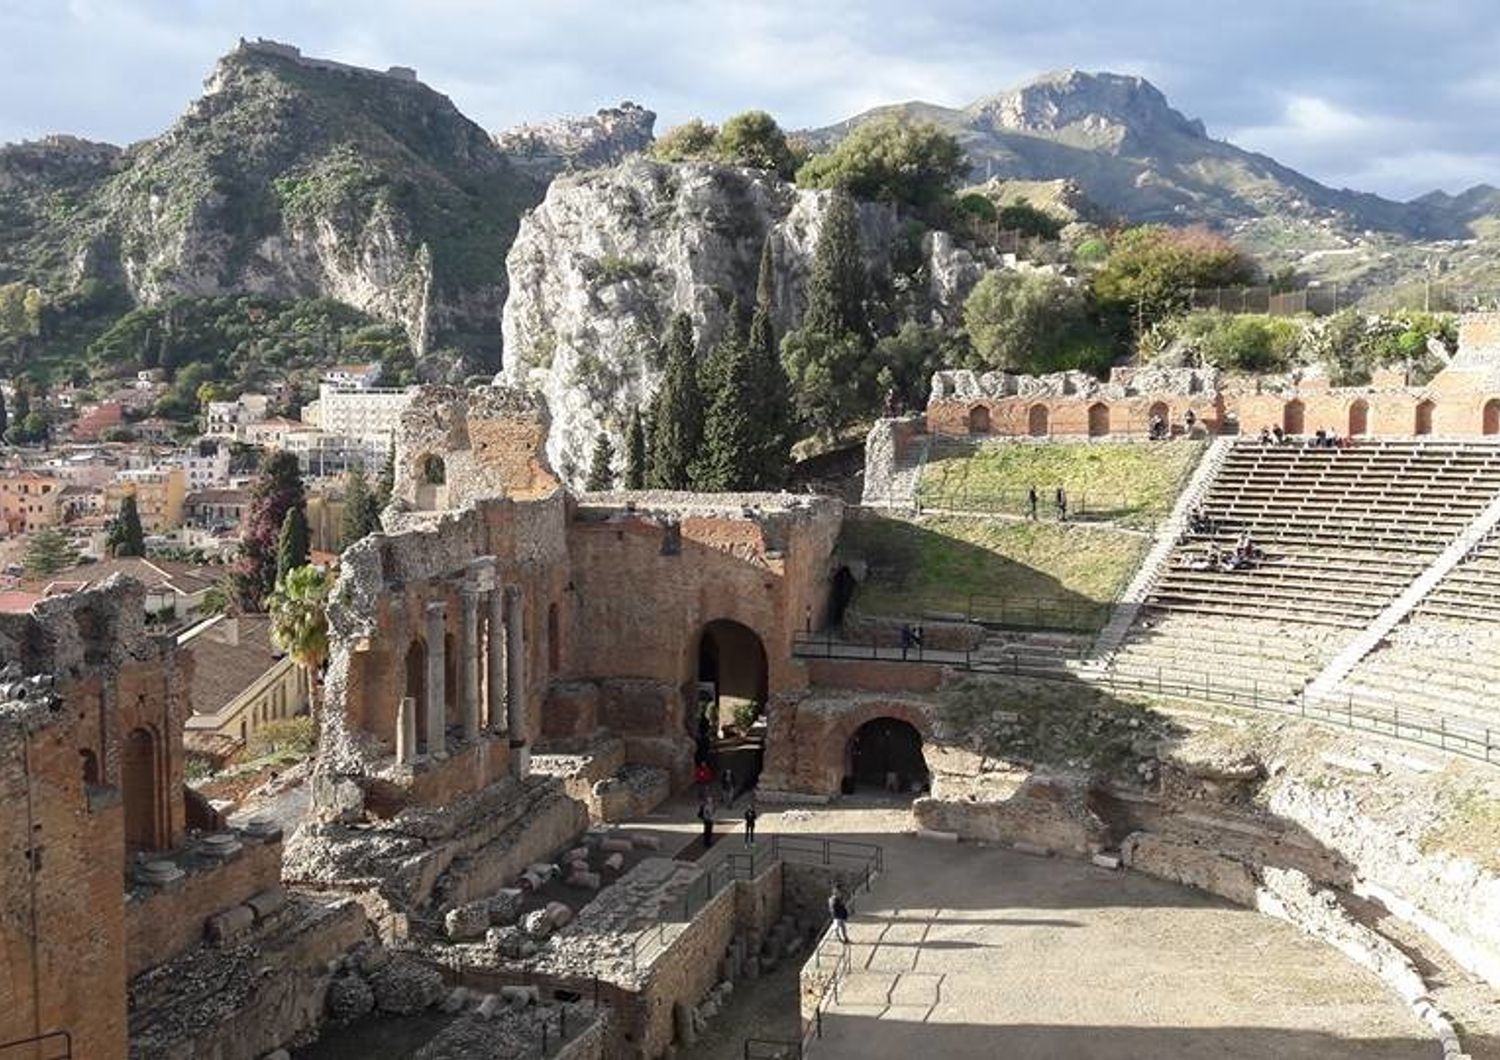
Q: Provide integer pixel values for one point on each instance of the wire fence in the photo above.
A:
(1452, 733)
(999, 611)
(1098, 507)
(1325, 299)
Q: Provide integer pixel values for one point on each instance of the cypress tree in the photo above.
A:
(677, 411)
(48, 551)
(635, 452)
(601, 475)
(126, 538)
(293, 546)
(711, 374)
(4, 415)
(768, 391)
(731, 435)
(361, 516)
(836, 288)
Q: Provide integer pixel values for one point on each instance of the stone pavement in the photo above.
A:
(964, 951)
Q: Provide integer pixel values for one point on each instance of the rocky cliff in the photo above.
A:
(604, 138)
(298, 178)
(601, 265)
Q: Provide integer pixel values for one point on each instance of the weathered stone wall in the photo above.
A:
(163, 922)
(1046, 811)
(807, 738)
(90, 759)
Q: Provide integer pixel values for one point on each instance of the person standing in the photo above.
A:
(726, 782)
(706, 815)
(1031, 503)
(1062, 505)
(750, 817)
(839, 911)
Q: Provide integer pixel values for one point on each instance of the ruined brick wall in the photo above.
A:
(73, 792)
(163, 924)
(807, 738)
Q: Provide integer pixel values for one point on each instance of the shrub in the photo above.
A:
(288, 736)
(916, 164)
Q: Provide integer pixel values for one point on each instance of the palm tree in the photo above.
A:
(299, 620)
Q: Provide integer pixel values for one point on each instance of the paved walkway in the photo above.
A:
(979, 952)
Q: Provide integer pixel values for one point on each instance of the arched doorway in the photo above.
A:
(416, 687)
(1492, 416)
(1423, 423)
(1359, 418)
(451, 677)
(979, 419)
(840, 598)
(554, 644)
(732, 664)
(1294, 418)
(1098, 420)
(138, 772)
(885, 754)
(1037, 420)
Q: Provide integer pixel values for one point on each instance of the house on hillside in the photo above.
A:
(241, 681)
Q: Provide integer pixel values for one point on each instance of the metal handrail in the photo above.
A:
(1427, 728)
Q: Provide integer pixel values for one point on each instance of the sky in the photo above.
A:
(1396, 97)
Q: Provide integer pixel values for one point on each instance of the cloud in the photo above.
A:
(1394, 92)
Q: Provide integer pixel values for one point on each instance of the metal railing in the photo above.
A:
(40, 1047)
(1005, 612)
(1435, 729)
(1082, 507)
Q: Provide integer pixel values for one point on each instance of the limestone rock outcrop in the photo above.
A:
(601, 265)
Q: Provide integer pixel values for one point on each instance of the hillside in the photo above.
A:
(292, 178)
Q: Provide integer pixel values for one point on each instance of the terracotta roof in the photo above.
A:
(15, 603)
(222, 671)
(185, 578)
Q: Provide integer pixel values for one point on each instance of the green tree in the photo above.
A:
(677, 411)
(693, 140)
(908, 358)
(754, 139)
(385, 485)
(731, 436)
(294, 543)
(299, 620)
(1152, 270)
(837, 287)
(4, 416)
(1020, 216)
(48, 551)
(767, 392)
(361, 517)
(1016, 321)
(601, 475)
(126, 538)
(635, 452)
(278, 489)
(891, 159)
(832, 378)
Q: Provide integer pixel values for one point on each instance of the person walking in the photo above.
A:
(750, 817)
(1062, 505)
(839, 911)
(706, 815)
(1031, 503)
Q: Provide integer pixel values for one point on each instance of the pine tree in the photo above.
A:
(293, 546)
(277, 489)
(49, 551)
(677, 411)
(836, 289)
(601, 475)
(126, 538)
(361, 516)
(635, 452)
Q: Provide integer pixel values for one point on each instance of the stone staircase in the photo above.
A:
(1127, 608)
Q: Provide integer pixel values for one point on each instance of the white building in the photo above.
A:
(353, 376)
(357, 413)
(230, 418)
(205, 471)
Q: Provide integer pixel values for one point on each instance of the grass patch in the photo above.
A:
(1025, 574)
(1130, 483)
(1468, 830)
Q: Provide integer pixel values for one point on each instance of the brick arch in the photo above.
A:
(1422, 420)
(979, 420)
(1359, 418)
(141, 790)
(1038, 421)
(1490, 417)
(1098, 420)
(833, 755)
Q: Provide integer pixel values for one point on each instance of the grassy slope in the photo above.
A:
(1130, 483)
(999, 569)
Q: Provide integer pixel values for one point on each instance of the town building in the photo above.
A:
(29, 501)
(241, 681)
(159, 495)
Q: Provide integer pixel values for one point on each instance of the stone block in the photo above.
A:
(488, 1007)
(467, 922)
(267, 902)
(617, 846)
(349, 998)
(588, 881)
(559, 913)
(537, 924)
(615, 862)
(406, 985)
(457, 998)
(505, 905)
(224, 928)
(642, 841)
(1106, 861)
(519, 996)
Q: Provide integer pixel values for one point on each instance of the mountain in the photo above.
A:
(1132, 153)
(291, 177)
(608, 136)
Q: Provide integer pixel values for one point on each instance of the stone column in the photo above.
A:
(437, 693)
(468, 662)
(406, 731)
(515, 683)
(494, 657)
